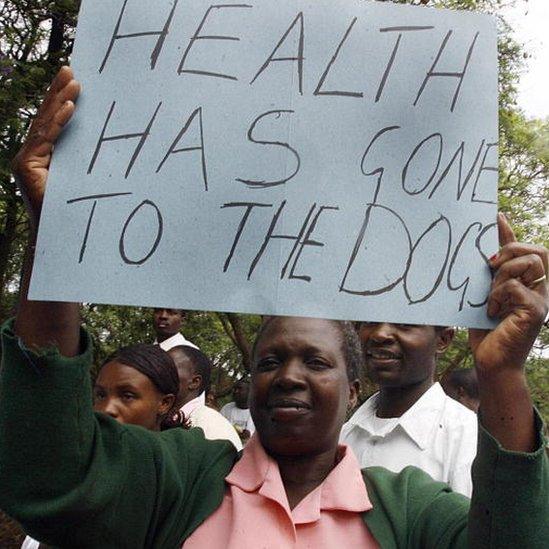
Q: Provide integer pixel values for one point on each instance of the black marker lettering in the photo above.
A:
(389, 66)
(263, 183)
(418, 147)
(249, 207)
(357, 248)
(460, 186)
(484, 168)
(267, 238)
(95, 198)
(159, 43)
(484, 257)
(307, 242)
(142, 135)
(319, 90)
(271, 236)
(299, 58)
(201, 148)
(157, 239)
(459, 75)
(197, 36)
(297, 238)
(433, 226)
(378, 171)
(465, 283)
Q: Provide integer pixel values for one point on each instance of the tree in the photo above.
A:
(37, 39)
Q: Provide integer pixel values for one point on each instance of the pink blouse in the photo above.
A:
(255, 512)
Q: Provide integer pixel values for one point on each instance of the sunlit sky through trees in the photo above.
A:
(529, 20)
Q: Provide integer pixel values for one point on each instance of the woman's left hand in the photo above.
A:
(519, 298)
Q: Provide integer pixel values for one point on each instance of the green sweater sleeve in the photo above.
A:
(78, 479)
(508, 509)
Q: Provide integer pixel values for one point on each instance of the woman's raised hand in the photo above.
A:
(519, 298)
(31, 164)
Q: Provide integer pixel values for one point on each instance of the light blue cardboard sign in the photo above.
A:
(327, 158)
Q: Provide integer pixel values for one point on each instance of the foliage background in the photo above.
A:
(36, 38)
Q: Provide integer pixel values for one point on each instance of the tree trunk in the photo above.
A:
(242, 341)
(7, 237)
(233, 327)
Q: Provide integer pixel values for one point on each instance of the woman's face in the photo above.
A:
(300, 392)
(129, 396)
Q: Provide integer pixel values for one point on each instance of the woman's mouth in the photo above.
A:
(287, 409)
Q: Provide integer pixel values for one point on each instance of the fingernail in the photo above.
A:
(493, 258)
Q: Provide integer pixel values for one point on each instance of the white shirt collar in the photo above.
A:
(193, 404)
(419, 422)
(174, 341)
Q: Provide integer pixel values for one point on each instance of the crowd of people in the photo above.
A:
(140, 460)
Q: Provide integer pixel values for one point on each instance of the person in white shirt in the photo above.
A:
(194, 369)
(238, 412)
(167, 325)
(411, 421)
(462, 385)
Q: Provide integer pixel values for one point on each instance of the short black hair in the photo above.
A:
(202, 365)
(466, 378)
(350, 345)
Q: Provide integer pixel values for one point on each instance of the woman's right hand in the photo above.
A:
(31, 164)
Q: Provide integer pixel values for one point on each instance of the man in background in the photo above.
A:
(462, 385)
(167, 325)
(238, 411)
(194, 369)
(411, 421)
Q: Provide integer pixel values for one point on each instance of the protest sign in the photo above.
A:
(335, 158)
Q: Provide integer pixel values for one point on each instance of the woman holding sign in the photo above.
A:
(75, 479)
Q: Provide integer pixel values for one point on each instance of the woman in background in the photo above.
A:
(137, 385)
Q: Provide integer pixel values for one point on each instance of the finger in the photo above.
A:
(47, 125)
(63, 77)
(54, 101)
(526, 269)
(47, 114)
(505, 231)
(518, 249)
(62, 116)
(512, 296)
(39, 147)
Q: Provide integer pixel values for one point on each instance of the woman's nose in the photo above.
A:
(291, 375)
(110, 408)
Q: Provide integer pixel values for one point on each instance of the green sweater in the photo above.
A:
(78, 479)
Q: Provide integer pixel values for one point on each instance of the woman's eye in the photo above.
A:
(98, 395)
(129, 396)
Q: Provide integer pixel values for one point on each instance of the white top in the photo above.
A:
(214, 425)
(174, 341)
(30, 543)
(437, 434)
(240, 417)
